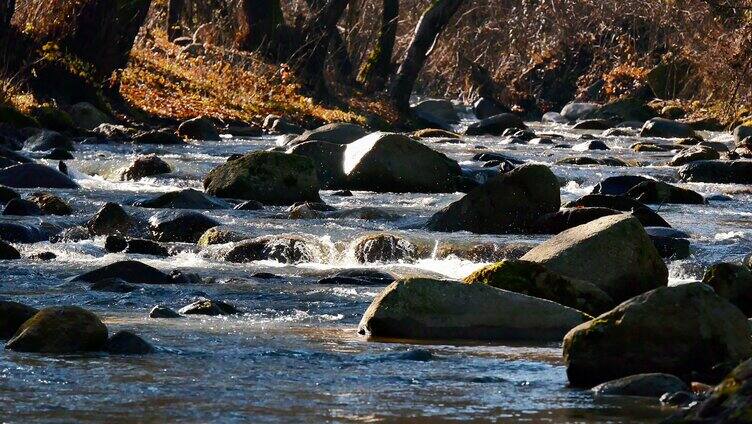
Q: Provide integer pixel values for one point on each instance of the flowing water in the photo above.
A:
(294, 354)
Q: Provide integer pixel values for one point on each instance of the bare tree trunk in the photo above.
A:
(378, 65)
(262, 25)
(310, 58)
(433, 21)
(174, 14)
(338, 48)
(7, 7)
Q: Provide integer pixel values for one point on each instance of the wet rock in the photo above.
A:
(164, 136)
(21, 207)
(201, 128)
(649, 147)
(268, 177)
(66, 329)
(619, 185)
(619, 132)
(21, 233)
(484, 157)
(110, 219)
(7, 194)
(383, 248)
(716, 171)
(145, 166)
(485, 107)
(439, 113)
(274, 124)
(13, 156)
(284, 249)
(127, 343)
(680, 399)
(417, 308)
(366, 213)
(87, 116)
(34, 175)
(482, 252)
(742, 133)
(624, 109)
(50, 204)
(132, 272)
(183, 199)
(579, 160)
(328, 158)
(219, 235)
(541, 141)
(115, 244)
(113, 285)
(682, 330)
(564, 219)
(495, 125)
(652, 385)
(12, 316)
(535, 280)
(732, 282)
(71, 235)
(658, 192)
(388, 162)
(592, 124)
(554, 118)
(43, 256)
(666, 128)
(343, 193)
(209, 307)
(590, 145)
(179, 226)
(647, 216)
(508, 203)
(48, 140)
(249, 205)
(163, 312)
(435, 133)
(576, 111)
(8, 252)
(359, 277)
(694, 154)
(115, 132)
(586, 252)
(337, 133)
(670, 243)
(146, 247)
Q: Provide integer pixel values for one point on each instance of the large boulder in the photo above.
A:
(284, 249)
(576, 111)
(145, 166)
(387, 162)
(383, 248)
(179, 226)
(647, 216)
(328, 159)
(7, 251)
(418, 308)
(694, 154)
(66, 329)
(132, 272)
(200, 128)
(269, 177)
(436, 112)
(183, 199)
(683, 330)
(495, 125)
(732, 282)
(535, 280)
(48, 140)
(485, 107)
(34, 175)
(741, 134)
(612, 252)
(652, 385)
(508, 203)
(623, 110)
(666, 128)
(50, 204)
(716, 171)
(12, 315)
(658, 192)
(337, 133)
(87, 116)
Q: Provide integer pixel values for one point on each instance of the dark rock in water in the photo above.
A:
(59, 154)
(729, 402)
(163, 136)
(670, 243)
(683, 330)
(508, 203)
(495, 125)
(590, 145)
(564, 219)
(13, 156)
(541, 141)
(343, 193)
(21, 233)
(624, 109)
(383, 248)
(265, 276)
(62, 167)
(34, 175)
(219, 235)
(87, 116)
(200, 128)
(742, 133)
(113, 285)
(619, 185)
(127, 343)
(586, 253)
(43, 256)
(647, 216)
(8, 252)
(48, 140)
(359, 277)
(328, 158)
(50, 204)
(716, 171)
(666, 128)
(645, 385)
(484, 157)
(163, 312)
(7, 194)
(593, 124)
(535, 280)
(209, 307)
(657, 192)
(679, 399)
(274, 124)
(284, 249)
(554, 118)
(180, 277)
(71, 235)
(183, 199)
(179, 226)
(21, 207)
(694, 154)
(145, 166)
(575, 111)
(732, 282)
(268, 177)
(337, 133)
(115, 243)
(146, 247)
(485, 108)
(388, 162)
(132, 272)
(436, 112)
(66, 329)
(649, 147)
(12, 315)
(249, 205)
(418, 308)
(110, 219)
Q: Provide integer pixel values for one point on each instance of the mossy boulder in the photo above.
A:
(271, 178)
(508, 203)
(684, 330)
(85, 115)
(66, 329)
(535, 280)
(732, 282)
(613, 252)
(218, 235)
(419, 308)
(12, 316)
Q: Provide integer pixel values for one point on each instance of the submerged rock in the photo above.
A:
(145, 166)
(179, 226)
(613, 252)
(12, 316)
(34, 175)
(127, 343)
(652, 385)
(359, 277)
(132, 272)
(417, 308)
(183, 199)
(113, 285)
(209, 307)
(66, 329)
(683, 330)
(508, 203)
(732, 282)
